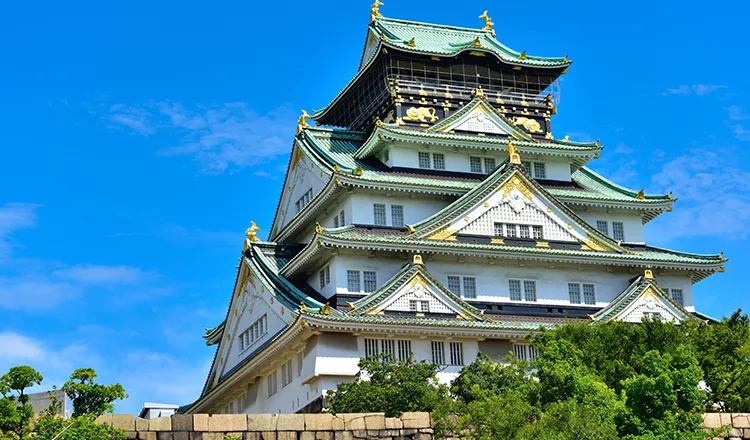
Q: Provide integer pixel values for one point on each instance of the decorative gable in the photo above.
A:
(480, 121)
(478, 116)
(651, 305)
(416, 296)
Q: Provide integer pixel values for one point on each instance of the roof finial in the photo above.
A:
(648, 274)
(302, 307)
(326, 309)
(375, 10)
(513, 153)
(417, 259)
(523, 56)
(478, 92)
(250, 235)
(487, 22)
(302, 123)
(641, 195)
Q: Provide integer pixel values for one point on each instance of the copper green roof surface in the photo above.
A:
(632, 293)
(338, 147)
(442, 40)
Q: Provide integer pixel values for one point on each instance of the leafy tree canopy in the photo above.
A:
(89, 397)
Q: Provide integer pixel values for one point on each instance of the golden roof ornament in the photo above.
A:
(250, 235)
(302, 307)
(566, 138)
(411, 43)
(487, 22)
(336, 169)
(375, 10)
(641, 195)
(523, 56)
(476, 43)
(513, 153)
(648, 274)
(410, 228)
(479, 93)
(417, 259)
(326, 310)
(318, 228)
(357, 171)
(302, 123)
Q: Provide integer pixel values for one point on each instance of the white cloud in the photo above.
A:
(622, 148)
(102, 275)
(737, 113)
(19, 348)
(220, 137)
(14, 216)
(696, 89)
(34, 292)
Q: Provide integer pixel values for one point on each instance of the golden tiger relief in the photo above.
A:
(421, 114)
(530, 124)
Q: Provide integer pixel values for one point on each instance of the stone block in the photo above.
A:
(180, 435)
(416, 420)
(734, 432)
(286, 435)
(354, 422)
(359, 433)
(146, 435)
(261, 422)
(160, 424)
(213, 436)
(125, 422)
(268, 435)
(726, 419)
(227, 422)
(290, 422)
(712, 420)
(182, 422)
(741, 420)
(252, 436)
(338, 423)
(375, 421)
(307, 435)
(131, 435)
(746, 433)
(319, 422)
(393, 423)
(200, 422)
(141, 424)
(104, 419)
(164, 435)
(422, 436)
(324, 435)
(196, 436)
(344, 435)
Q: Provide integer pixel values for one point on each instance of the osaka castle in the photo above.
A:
(429, 210)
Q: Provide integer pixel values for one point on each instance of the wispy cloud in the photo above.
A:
(737, 113)
(14, 216)
(695, 89)
(102, 275)
(221, 137)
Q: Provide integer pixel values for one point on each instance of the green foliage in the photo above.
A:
(386, 385)
(89, 397)
(51, 427)
(232, 437)
(15, 411)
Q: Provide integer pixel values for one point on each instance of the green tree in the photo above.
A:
(15, 411)
(386, 385)
(89, 397)
(54, 427)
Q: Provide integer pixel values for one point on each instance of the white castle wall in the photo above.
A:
(306, 175)
(632, 224)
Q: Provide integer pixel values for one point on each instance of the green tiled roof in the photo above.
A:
(442, 40)
(632, 293)
(493, 323)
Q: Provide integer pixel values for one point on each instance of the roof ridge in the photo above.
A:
(426, 24)
(613, 185)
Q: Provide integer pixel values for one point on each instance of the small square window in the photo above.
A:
(525, 233)
(536, 232)
(370, 281)
(438, 161)
(618, 231)
(529, 290)
(603, 227)
(678, 297)
(379, 214)
(511, 231)
(424, 160)
(489, 164)
(498, 229)
(454, 285)
(475, 164)
(540, 172)
(397, 215)
(589, 295)
(574, 290)
(514, 287)
(527, 167)
(470, 287)
(352, 281)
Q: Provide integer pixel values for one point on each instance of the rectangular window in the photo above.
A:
(322, 276)
(419, 306)
(370, 281)
(536, 232)
(529, 290)
(342, 219)
(514, 286)
(397, 215)
(371, 348)
(352, 281)
(272, 383)
(454, 285)
(525, 352)
(286, 373)
(300, 360)
(253, 333)
(388, 347)
(424, 160)
(540, 172)
(527, 167)
(618, 231)
(574, 290)
(328, 274)
(404, 350)
(489, 164)
(397, 348)
(603, 227)
(475, 163)
(304, 200)
(470, 287)
(498, 229)
(336, 221)
(511, 231)
(525, 231)
(297, 205)
(678, 297)
(378, 211)
(589, 295)
(457, 353)
(438, 161)
(438, 352)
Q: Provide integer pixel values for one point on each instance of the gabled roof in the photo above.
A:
(479, 104)
(411, 276)
(642, 295)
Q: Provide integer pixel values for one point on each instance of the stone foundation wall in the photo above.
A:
(412, 426)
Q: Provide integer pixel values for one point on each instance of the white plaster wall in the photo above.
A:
(385, 268)
(555, 169)
(631, 220)
(415, 209)
(307, 175)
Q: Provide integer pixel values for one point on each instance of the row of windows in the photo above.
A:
(525, 352)
(253, 333)
(484, 165)
(535, 169)
(522, 290)
(518, 231)
(304, 200)
(339, 220)
(379, 215)
(400, 349)
(355, 279)
(618, 229)
(431, 160)
(478, 164)
(287, 375)
(463, 286)
(574, 290)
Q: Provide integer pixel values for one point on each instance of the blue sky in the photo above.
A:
(140, 138)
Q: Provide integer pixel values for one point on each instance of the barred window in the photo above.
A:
(322, 276)
(256, 330)
(371, 348)
(352, 281)
(457, 353)
(618, 231)
(525, 352)
(525, 233)
(438, 161)
(454, 284)
(574, 290)
(489, 164)
(397, 215)
(511, 231)
(529, 290)
(540, 172)
(286, 373)
(404, 349)
(514, 286)
(336, 221)
(589, 296)
(438, 352)
(498, 229)
(416, 305)
(400, 349)
(678, 297)
(603, 227)
(536, 232)
(300, 360)
(470, 287)
(370, 281)
(342, 219)
(388, 347)
(379, 214)
(424, 160)
(527, 167)
(475, 163)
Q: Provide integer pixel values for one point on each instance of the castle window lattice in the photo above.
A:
(677, 296)
(397, 215)
(431, 160)
(503, 221)
(325, 276)
(618, 231)
(399, 349)
(304, 200)
(253, 333)
(525, 352)
(455, 353)
(378, 212)
(538, 170)
(354, 280)
(483, 165)
(589, 293)
(465, 287)
(522, 290)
